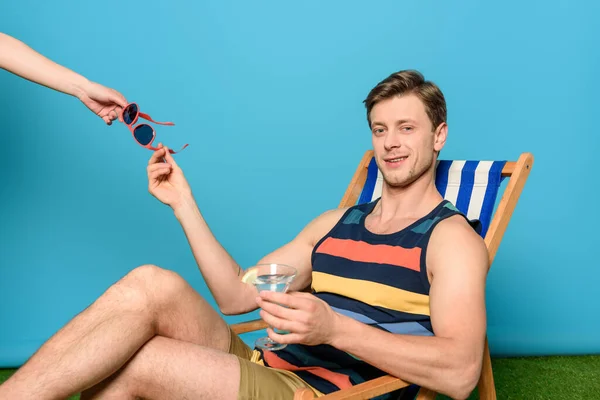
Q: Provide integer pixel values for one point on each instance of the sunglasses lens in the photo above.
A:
(143, 134)
(130, 113)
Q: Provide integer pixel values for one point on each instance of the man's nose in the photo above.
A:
(392, 140)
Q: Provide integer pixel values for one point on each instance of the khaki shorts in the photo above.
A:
(258, 382)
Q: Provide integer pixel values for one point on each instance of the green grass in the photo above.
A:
(531, 378)
(534, 378)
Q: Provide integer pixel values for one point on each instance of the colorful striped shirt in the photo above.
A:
(377, 279)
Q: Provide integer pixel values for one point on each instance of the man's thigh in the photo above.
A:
(258, 382)
(167, 369)
(179, 312)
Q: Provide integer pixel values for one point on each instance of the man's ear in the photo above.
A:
(440, 135)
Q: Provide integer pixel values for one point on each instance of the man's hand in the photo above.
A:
(308, 319)
(105, 102)
(166, 181)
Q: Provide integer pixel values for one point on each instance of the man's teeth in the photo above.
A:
(398, 159)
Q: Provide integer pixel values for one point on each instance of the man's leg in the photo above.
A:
(171, 369)
(149, 301)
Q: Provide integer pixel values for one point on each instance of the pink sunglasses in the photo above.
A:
(144, 134)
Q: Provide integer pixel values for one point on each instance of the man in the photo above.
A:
(385, 277)
(22, 60)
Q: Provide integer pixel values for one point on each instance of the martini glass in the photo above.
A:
(275, 278)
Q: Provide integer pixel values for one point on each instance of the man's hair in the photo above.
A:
(406, 82)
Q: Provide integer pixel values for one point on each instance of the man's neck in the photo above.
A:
(414, 200)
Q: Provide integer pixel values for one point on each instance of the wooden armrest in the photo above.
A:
(365, 390)
(249, 326)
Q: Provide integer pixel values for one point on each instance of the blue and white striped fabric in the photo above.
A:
(472, 186)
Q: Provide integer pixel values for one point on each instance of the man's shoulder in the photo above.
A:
(328, 219)
(454, 237)
(324, 223)
(457, 229)
(334, 214)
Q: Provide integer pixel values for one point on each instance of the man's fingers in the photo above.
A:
(271, 320)
(279, 311)
(157, 156)
(155, 167)
(169, 158)
(280, 323)
(288, 338)
(155, 171)
(158, 173)
(286, 299)
(304, 295)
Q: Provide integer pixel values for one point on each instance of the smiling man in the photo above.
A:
(396, 286)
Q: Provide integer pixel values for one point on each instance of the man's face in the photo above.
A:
(404, 140)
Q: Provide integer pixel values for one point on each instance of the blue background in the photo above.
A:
(269, 96)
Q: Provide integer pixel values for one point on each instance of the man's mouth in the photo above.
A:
(396, 160)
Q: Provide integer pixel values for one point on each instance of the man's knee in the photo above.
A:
(146, 285)
(146, 275)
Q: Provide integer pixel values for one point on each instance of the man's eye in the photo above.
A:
(407, 128)
(378, 131)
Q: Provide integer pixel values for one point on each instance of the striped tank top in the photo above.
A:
(377, 279)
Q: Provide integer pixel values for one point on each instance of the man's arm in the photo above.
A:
(223, 275)
(449, 362)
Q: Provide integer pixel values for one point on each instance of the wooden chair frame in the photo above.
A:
(517, 172)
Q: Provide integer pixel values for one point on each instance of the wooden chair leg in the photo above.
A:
(487, 390)
(426, 394)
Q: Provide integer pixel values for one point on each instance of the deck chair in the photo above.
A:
(472, 186)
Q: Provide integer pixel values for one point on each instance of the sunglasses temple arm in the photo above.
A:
(147, 117)
(170, 150)
(174, 152)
